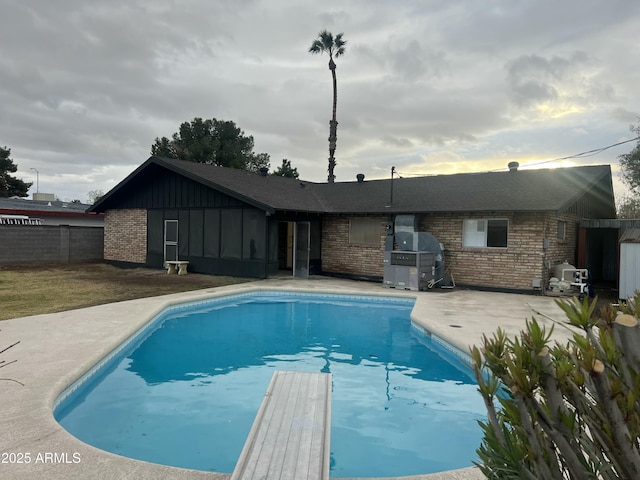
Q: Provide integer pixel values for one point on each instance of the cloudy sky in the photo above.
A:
(427, 86)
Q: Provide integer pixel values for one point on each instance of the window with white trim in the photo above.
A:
(485, 233)
(364, 231)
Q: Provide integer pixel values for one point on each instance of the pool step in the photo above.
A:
(289, 439)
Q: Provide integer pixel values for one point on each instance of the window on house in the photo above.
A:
(364, 231)
(562, 230)
(485, 233)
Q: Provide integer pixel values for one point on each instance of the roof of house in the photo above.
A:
(521, 190)
(25, 206)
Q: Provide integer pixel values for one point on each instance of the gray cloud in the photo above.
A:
(86, 86)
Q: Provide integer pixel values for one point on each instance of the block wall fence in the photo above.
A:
(50, 244)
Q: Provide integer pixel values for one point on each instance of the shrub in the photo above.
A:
(567, 411)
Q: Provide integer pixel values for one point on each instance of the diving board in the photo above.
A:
(289, 439)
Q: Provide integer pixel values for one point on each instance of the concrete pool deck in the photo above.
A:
(57, 349)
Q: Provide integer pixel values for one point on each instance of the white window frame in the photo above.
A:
(475, 232)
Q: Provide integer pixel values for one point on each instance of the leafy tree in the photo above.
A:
(10, 186)
(334, 46)
(214, 142)
(95, 195)
(258, 162)
(629, 207)
(630, 162)
(285, 170)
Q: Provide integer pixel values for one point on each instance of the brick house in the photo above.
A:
(500, 230)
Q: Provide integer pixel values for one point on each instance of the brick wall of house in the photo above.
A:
(561, 250)
(513, 267)
(125, 235)
(339, 256)
(524, 260)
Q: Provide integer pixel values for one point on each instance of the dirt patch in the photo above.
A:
(27, 289)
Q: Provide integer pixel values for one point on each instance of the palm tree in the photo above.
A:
(334, 46)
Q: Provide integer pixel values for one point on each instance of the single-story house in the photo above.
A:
(499, 230)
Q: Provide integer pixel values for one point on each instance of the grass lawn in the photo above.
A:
(33, 289)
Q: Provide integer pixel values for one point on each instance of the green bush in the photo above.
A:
(567, 411)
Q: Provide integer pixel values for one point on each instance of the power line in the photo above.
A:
(588, 153)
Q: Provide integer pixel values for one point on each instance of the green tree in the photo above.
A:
(214, 142)
(630, 163)
(334, 46)
(286, 170)
(628, 207)
(10, 186)
(258, 162)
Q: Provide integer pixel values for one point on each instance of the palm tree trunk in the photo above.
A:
(333, 124)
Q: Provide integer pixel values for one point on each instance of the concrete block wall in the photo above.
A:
(125, 235)
(50, 244)
(339, 256)
(86, 244)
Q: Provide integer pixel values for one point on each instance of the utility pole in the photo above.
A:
(37, 179)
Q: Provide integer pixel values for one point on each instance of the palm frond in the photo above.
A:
(327, 43)
(339, 44)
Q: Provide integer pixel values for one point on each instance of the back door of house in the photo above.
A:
(302, 243)
(170, 240)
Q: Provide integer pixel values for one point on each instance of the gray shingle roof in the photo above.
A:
(270, 192)
(24, 204)
(522, 190)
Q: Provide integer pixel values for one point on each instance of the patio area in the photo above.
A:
(56, 349)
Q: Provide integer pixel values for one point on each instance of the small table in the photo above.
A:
(181, 264)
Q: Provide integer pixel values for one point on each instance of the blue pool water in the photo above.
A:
(186, 391)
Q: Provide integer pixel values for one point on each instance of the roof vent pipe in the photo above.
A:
(360, 177)
(513, 166)
(263, 171)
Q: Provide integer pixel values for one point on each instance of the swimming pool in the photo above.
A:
(185, 391)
